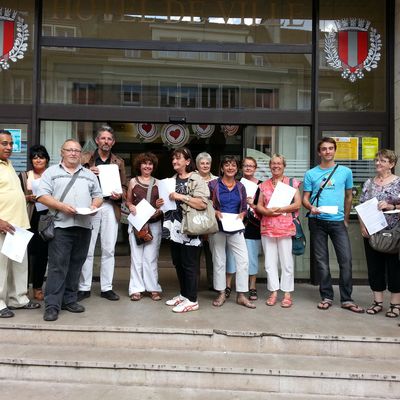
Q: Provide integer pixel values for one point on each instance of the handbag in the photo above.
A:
(386, 240)
(199, 222)
(299, 239)
(144, 234)
(46, 222)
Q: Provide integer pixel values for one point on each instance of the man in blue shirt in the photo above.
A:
(336, 192)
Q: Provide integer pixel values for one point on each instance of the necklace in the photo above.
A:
(275, 181)
(229, 185)
(382, 179)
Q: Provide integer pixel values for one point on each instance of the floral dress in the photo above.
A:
(389, 193)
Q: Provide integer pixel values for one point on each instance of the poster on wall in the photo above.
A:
(17, 139)
(347, 148)
(370, 146)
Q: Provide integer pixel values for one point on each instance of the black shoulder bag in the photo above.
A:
(46, 222)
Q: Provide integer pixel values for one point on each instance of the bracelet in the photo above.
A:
(187, 199)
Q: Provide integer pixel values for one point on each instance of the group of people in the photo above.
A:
(73, 183)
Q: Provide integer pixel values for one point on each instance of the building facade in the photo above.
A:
(243, 77)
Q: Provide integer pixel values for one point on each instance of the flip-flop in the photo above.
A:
(324, 304)
(353, 307)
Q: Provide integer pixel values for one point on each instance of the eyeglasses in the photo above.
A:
(381, 160)
(248, 166)
(72, 150)
(37, 157)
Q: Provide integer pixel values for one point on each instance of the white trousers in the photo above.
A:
(144, 262)
(236, 244)
(13, 280)
(279, 250)
(105, 223)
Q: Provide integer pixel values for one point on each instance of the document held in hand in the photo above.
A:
(109, 179)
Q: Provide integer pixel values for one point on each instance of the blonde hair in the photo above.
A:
(276, 155)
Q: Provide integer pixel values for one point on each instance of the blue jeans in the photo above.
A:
(67, 253)
(337, 231)
(253, 249)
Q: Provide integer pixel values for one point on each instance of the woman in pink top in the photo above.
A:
(277, 229)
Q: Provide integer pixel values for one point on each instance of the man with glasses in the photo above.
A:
(329, 184)
(68, 249)
(106, 221)
(13, 275)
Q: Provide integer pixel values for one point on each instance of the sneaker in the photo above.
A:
(186, 306)
(6, 313)
(175, 300)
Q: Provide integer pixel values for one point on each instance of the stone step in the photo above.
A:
(198, 369)
(66, 391)
(203, 339)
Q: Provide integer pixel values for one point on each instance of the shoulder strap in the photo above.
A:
(70, 183)
(68, 187)
(149, 189)
(324, 184)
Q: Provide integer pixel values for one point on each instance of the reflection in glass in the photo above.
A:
(16, 82)
(224, 21)
(335, 92)
(162, 79)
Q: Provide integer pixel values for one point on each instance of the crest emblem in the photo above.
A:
(13, 37)
(352, 46)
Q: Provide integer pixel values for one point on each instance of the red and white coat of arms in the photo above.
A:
(352, 46)
(13, 37)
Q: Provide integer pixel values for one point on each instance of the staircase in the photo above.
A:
(44, 361)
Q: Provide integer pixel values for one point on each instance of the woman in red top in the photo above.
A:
(277, 229)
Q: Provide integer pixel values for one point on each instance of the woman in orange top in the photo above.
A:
(277, 229)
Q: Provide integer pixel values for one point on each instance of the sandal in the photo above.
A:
(155, 296)
(220, 300)
(394, 311)
(253, 294)
(228, 291)
(271, 301)
(353, 307)
(287, 301)
(136, 296)
(324, 304)
(375, 308)
(242, 300)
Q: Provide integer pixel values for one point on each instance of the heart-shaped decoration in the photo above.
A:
(175, 134)
(146, 127)
(204, 127)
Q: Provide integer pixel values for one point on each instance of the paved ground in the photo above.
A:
(302, 319)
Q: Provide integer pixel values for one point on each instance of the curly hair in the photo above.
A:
(143, 158)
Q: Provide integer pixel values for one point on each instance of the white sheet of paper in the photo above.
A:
(144, 210)
(165, 188)
(328, 209)
(282, 196)
(251, 187)
(373, 219)
(35, 189)
(231, 222)
(14, 246)
(110, 180)
(86, 210)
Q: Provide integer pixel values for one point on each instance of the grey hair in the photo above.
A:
(203, 156)
(105, 128)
